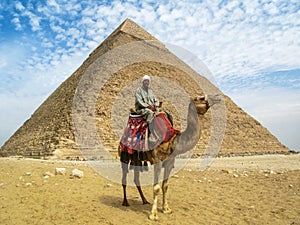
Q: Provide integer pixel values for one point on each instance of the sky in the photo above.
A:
(252, 48)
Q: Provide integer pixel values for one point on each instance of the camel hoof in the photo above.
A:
(125, 203)
(146, 202)
(153, 217)
(167, 211)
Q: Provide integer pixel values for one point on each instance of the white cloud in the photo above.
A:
(56, 28)
(19, 6)
(53, 4)
(73, 6)
(16, 22)
(34, 20)
(233, 42)
(226, 37)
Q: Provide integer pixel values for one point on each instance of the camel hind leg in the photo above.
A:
(124, 183)
(136, 181)
(138, 185)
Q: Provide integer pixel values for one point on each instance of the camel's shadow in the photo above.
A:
(116, 202)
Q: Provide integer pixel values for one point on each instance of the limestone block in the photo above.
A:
(76, 173)
(60, 171)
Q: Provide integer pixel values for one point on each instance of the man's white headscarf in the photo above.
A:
(146, 77)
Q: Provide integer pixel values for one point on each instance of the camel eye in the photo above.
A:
(202, 98)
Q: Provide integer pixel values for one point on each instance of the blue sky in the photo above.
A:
(251, 47)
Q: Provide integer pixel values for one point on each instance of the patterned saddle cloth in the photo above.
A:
(139, 137)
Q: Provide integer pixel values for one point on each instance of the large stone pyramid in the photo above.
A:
(131, 52)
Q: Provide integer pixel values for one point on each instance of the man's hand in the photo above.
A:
(153, 108)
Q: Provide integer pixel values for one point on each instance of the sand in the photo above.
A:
(235, 190)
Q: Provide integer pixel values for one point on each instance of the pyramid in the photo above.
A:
(93, 104)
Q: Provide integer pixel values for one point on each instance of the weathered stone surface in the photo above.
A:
(76, 173)
(49, 133)
(60, 171)
(48, 174)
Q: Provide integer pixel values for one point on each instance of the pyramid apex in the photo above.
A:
(132, 28)
(128, 21)
(126, 32)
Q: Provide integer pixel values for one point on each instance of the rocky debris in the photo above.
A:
(76, 173)
(227, 171)
(28, 184)
(60, 171)
(245, 174)
(24, 180)
(205, 179)
(48, 173)
(269, 172)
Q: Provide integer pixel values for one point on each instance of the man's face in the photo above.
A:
(146, 83)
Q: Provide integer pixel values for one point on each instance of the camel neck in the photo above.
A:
(192, 132)
(190, 137)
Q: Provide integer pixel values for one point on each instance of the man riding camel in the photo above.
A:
(146, 104)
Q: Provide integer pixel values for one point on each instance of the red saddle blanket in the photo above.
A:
(138, 137)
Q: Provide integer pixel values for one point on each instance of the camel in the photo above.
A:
(164, 155)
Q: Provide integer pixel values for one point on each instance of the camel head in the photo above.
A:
(203, 103)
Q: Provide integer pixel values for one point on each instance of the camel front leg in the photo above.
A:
(168, 167)
(156, 189)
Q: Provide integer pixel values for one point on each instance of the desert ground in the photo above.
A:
(235, 190)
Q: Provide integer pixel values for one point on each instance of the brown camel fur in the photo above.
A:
(164, 155)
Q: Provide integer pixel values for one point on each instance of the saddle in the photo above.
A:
(140, 136)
